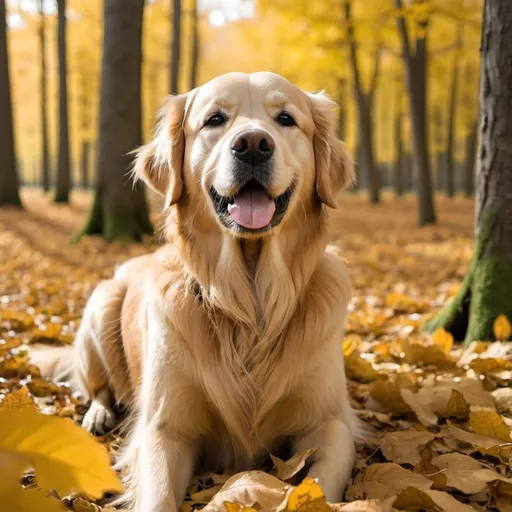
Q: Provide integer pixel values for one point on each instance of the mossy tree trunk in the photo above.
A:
(63, 184)
(120, 210)
(487, 290)
(9, 195)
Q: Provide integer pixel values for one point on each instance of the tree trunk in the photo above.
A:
(485, 293)
(196, 45)
(398, 180)
(45, 157)
(119, 210)
(416, 73)
(175, 45)
(342, 115)
(63, 169)
(85, 165)
(470, 161)
(9, 195)
(364, 102)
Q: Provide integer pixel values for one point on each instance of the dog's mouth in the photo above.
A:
(251, 209)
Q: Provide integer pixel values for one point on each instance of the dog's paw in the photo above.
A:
(99, 419)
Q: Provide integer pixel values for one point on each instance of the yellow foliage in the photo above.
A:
(64, 457)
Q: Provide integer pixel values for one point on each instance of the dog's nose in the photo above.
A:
(253, 147)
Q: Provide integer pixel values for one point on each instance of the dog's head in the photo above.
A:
(248, 149)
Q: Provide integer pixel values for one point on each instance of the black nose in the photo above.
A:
(253, 147)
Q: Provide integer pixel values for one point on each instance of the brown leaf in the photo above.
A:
(456, 408)
(387, 394)
(426, 499)
(359, 368)
(288, 469)
(402, 447)
(18, 400)
(465, 474)
(381, 481)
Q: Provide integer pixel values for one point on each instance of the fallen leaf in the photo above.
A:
(25, 500)
(359, 368)
(65, 457)
(248, 488)
(456, 408)
(465, 474)
(387, 394)
(426, 499)
(20, 399)
(81, 505)
(307, 493)
(489, 423)
(381, 481)
(288, 469)
(365, 506)
(443, 339)
(502, 328)
(402, 447)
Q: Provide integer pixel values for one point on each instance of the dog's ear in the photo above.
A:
(160, 162)
(334, 167)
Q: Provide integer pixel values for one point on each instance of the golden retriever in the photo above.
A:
(227, 342)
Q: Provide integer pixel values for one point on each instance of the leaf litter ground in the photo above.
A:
(441, 413)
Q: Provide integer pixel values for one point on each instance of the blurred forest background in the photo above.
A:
(405, 74)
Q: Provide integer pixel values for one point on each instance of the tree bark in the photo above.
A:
(175, 45)
(342, 115)
(45, 156)
(119, 210)
(196, 45)
(452, 116)
(85, 165)
(364, 102)
(398, 180)
(9, 195)
(416, 73)
(485, 293)
(470, 161)
(64, 164)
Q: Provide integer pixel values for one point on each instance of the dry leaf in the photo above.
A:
(456, 408)
(387, 394)
(81, 505)
(65, 457)
(248, 488)
(465, 474)
(425, 499)
(18, 400)
(365, 506)
(403, 447)
(359, 368)
(381, 481)
(489, 423)
(443, 339)
(502, 328)
(288, 469)
(307, 496)
(29, 500)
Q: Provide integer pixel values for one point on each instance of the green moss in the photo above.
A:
(491, 296)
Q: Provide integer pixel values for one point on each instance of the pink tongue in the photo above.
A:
(252, 209)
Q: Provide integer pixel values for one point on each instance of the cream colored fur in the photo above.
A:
(226, 345)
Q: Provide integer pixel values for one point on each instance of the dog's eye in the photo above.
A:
(216, 119)
(285, 119)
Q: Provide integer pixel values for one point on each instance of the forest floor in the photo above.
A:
(442, 412)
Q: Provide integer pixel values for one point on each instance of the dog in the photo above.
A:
(226, 344)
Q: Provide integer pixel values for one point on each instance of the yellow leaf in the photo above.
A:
(456, 407)
(65, 457)
(387, 394)
(359, 368)
(20, 399)
(443, 339)
(489, 423)
(502, 328)
(81, 505)
(308, 491)
(232, 507)
(29, 500)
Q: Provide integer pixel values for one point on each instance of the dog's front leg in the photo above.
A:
(166, 440)
(166, 466)
(334, 459)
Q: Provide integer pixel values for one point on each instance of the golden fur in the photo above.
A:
(227, 344)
